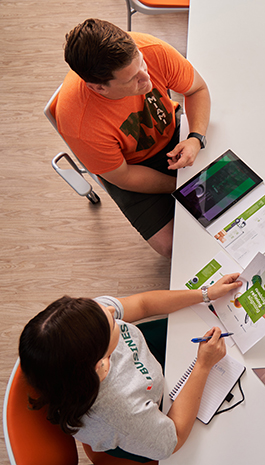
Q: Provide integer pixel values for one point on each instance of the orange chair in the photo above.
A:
(154, 7)
(32, 440)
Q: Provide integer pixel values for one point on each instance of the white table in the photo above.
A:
(226, 45)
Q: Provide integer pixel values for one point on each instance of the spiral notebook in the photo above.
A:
(221, 380)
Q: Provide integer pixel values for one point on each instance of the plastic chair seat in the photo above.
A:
(32, 440)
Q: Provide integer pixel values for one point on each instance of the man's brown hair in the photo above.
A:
(96, 48)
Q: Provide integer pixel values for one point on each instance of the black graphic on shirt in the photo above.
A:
(153, 111)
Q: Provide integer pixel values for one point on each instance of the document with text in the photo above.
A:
(241, 230)
(240, 312)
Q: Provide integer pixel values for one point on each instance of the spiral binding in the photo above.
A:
(173, 394)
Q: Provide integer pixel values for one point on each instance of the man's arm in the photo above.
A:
(138, 178)
(146, 304)
(197, 107)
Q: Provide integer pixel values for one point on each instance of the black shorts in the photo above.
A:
(148, 213)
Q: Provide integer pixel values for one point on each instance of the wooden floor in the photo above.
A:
(54, 242)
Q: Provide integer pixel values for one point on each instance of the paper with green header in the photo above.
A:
(241, 312)
(241, 231)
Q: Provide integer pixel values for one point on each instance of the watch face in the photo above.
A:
(203, 142)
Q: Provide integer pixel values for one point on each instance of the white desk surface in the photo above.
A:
(226, 45)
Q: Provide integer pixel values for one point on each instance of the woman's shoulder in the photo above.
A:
(109, 301)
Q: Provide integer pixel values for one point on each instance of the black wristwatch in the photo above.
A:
(198, 136)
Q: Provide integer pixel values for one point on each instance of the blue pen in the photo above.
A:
(202, 339)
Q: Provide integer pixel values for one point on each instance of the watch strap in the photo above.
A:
(198, 136)
(205, 296)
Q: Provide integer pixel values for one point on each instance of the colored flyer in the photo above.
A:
(204, 275)
(220, 265)
(242, 311)
(253, 300)
(241, 231)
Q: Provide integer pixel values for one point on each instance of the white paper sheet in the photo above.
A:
(231, 316)
(241, 230)
(214, 270)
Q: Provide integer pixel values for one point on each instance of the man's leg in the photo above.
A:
(161, 242)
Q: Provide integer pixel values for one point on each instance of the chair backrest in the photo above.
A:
(49, 109)
(151, 7)
(152, 4)
(49, 112)
(30, 438)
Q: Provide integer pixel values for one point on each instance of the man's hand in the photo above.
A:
(184, 154)
(197, 108)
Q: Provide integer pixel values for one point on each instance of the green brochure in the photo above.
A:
(253, 300)
(203, 275)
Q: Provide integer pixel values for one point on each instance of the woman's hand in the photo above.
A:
(224, 285)
(211, 351)
(185, 407)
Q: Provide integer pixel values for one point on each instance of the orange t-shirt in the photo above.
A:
(102, 132)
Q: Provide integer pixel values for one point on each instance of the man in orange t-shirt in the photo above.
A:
(114, 112)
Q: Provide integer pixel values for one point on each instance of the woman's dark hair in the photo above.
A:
(59, 349)
(95, 49)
